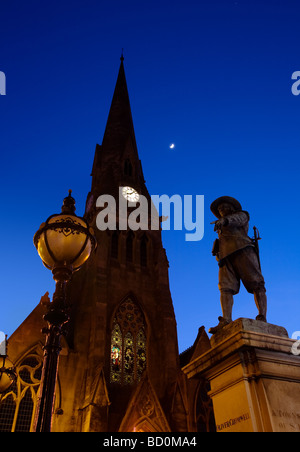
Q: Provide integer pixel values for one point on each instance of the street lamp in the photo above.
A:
(64, 243)
(7, 369)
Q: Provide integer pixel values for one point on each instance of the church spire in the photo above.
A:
(117, 157)
(119, 126)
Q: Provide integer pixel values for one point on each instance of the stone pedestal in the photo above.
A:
(254, 378)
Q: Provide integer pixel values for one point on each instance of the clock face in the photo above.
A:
(130, 194)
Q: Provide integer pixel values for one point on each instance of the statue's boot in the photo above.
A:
(261, 304)
(226, 305)
(221, 324)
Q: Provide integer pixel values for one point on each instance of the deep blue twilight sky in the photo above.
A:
(211, 76)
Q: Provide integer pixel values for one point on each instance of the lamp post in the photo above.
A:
(64, 242)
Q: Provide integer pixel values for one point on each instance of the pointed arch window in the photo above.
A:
(129, 247)
(17, 405)
(204, 412)
(143, 251)
(115, 245)
(128, 344)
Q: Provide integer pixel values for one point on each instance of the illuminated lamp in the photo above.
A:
(64, 243)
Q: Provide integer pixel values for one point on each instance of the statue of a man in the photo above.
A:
(237, 257)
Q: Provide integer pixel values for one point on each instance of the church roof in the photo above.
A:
(200, 346)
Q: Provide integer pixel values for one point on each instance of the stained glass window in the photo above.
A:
(116, 354)
(128, 359)
(140, 353)
(128, 344)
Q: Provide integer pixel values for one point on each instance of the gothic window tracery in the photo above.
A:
(141, 353)
(128, 343)
(17, 405)
(204, 412)
(116, 354)
(128, 359)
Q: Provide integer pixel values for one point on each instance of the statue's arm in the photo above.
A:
(238, 219)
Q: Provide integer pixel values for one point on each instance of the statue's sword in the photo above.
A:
(255, 240)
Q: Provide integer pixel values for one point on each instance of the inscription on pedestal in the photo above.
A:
(232, 422)
(287, 420)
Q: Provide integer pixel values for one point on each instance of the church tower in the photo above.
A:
(123, 326)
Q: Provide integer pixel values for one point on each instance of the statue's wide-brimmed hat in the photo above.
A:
(224, 199)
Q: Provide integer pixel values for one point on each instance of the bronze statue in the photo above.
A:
(238, 258)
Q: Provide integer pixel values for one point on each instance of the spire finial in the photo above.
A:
(122, 55)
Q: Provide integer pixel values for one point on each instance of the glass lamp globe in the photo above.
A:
(65, 240)
(7, 373)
